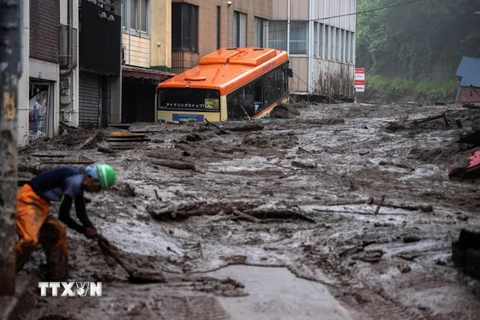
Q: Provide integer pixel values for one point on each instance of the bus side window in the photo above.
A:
(258, 95)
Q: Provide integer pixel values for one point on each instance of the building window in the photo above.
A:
(260, 32)
(239, 29)
(219, 23)
(316, 38)
(298, 37)
(136, 15)
(277, 35)
(184, 27)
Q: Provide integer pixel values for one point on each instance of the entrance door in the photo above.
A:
(40, 114)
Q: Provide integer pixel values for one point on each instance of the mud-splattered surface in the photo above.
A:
(300, 193)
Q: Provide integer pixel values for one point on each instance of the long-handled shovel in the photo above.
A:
(134, 276)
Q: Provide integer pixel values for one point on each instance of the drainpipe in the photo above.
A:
(66, 72)
(288, 27)
(310, 48)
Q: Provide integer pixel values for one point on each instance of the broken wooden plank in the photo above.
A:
(106, 150)
(88, 141)
(119, 125)
(304, 165)
(126, 135)
(128, 140)
(84, 162)
(48, 155)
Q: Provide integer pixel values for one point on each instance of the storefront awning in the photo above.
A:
(138, 75)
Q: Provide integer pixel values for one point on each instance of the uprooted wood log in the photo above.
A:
(248, 211)
(175, 164)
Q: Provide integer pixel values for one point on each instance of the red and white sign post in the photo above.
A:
(359, 79)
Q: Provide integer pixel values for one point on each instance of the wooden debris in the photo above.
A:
(175, 164)
(252, 212)
(47, 155)
(223, 131)
(63, 162)
(127, 137)
(106, 150)
(303, 165)
(443, 115)
(88, 141)
(246, 128)
(120, 125)
(379, 205)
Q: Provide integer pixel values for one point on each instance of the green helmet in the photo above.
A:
(106, 175)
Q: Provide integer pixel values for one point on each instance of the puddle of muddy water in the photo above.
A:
(276, 293)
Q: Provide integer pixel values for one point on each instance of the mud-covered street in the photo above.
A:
(354, 197)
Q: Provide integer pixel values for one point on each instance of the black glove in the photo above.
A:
(90, 233)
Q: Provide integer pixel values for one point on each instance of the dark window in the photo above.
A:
(136, 15)
(184, 27)
(260, 30)
(187, 99)
(239, 29)
(252, 98)
(277, 35)
(241, 103)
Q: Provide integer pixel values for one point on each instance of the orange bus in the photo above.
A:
(228, 84)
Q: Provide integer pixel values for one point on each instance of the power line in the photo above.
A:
(367, 11)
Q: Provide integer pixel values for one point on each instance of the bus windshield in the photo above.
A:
(188, 99)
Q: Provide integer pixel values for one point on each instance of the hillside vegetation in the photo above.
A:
(413, 47)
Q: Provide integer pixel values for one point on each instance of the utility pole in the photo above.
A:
(10, 71)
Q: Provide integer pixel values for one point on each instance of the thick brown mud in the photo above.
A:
(355, 197)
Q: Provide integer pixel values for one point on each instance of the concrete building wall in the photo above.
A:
(137, 51)
(161, 35)
(207, 26)
(152, 50)
(327, 67)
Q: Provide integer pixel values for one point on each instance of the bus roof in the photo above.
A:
(228, 69)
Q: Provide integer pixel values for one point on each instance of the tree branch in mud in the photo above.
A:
(221, 130)
(370, 201)
(248, 211)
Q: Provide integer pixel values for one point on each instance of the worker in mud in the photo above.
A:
(34, 224)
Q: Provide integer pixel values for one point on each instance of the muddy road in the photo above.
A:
(355, 197)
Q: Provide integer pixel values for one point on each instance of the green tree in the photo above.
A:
(407, 38)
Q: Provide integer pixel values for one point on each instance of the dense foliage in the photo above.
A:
(419, 41)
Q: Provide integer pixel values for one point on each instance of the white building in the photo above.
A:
(319, 36)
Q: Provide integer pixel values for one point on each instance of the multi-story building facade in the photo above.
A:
(319, 36)
(200, 27)
(89, 63)
(71, 66)
(146, 51)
